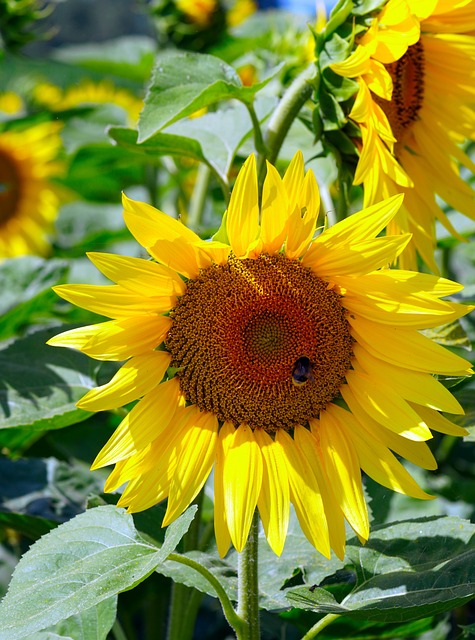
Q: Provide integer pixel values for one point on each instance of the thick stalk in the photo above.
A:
(287, 110)
(248, 584)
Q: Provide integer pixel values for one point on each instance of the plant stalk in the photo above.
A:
(248, 584)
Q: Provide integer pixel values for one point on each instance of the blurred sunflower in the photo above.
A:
(87, 93)
(415, 67)
(243, 350)
(29, 200)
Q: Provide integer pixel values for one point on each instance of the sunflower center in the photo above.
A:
(9, 188)
(407, 74)
(260, 341)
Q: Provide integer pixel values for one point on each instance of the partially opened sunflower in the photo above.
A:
(29, 199)
(415, 67)
(287, 362)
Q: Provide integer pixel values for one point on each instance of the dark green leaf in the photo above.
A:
(450, 335)
(406, 571)
(332, 114)
(83, 562)
(40, 385)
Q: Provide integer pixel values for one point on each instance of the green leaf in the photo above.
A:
(450, 335)
(40, 385)
(83, 562)
(91, 624)
(37, 494)
(333, 116)
(26, 284)
(407, 570)
(213, 138)
(183, 83)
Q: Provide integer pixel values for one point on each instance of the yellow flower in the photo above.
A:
(29, 201)
(415, 71)
(240, 11)
(244, 351)
(87, 93)
(10, 103)
(199, 12)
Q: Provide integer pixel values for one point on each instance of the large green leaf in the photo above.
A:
(40, 385)
(407, 570)
(83, 562)
(26, 296)
(183, 83)
(214, 138)
(91, 624)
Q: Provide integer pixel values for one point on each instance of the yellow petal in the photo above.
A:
(309, 445)
(440, 423)
(242, 478)
(274, 499)
(386, 407)
(274, 212)
(113, 301)
(147, 420)
(145, 277)
(221, 531)
(356, 64)
(406, 348)
(302, 223)
(376, 460)
(165, 238)
(342, 467)
(421, 388)
(305, 494)
(294, 176)
(196, 454)
(359, 227)
(243, 211)
(134, 379)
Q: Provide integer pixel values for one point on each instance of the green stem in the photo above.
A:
(231, 616)
(320, 625)
(258, 138)
(198, 197)
(151, 182)
(287, 110)
(248, 584)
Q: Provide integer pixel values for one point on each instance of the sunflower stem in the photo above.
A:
(117, 631)
(319, 626)
(198, 197)
(287, 110)
(231, 616)
(248, 584)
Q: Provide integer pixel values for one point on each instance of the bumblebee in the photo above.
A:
(302, 372)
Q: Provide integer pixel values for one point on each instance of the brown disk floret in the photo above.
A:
(407, 74)
(240, 328)
(9, 188)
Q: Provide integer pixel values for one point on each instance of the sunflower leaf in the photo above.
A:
(407, 570)
(185, 82)
(80, 564)
(92, 624)
(39, 385)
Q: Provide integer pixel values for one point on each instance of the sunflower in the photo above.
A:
(29, 201)
(287, 362)
(415, 71)
(198, 12)
(87, 93)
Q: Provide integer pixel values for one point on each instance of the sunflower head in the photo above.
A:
(29, 199)
(403, 123)
(285, 358)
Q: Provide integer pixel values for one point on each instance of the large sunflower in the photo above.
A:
(29, 200)
(415, 67)
(288, 362)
